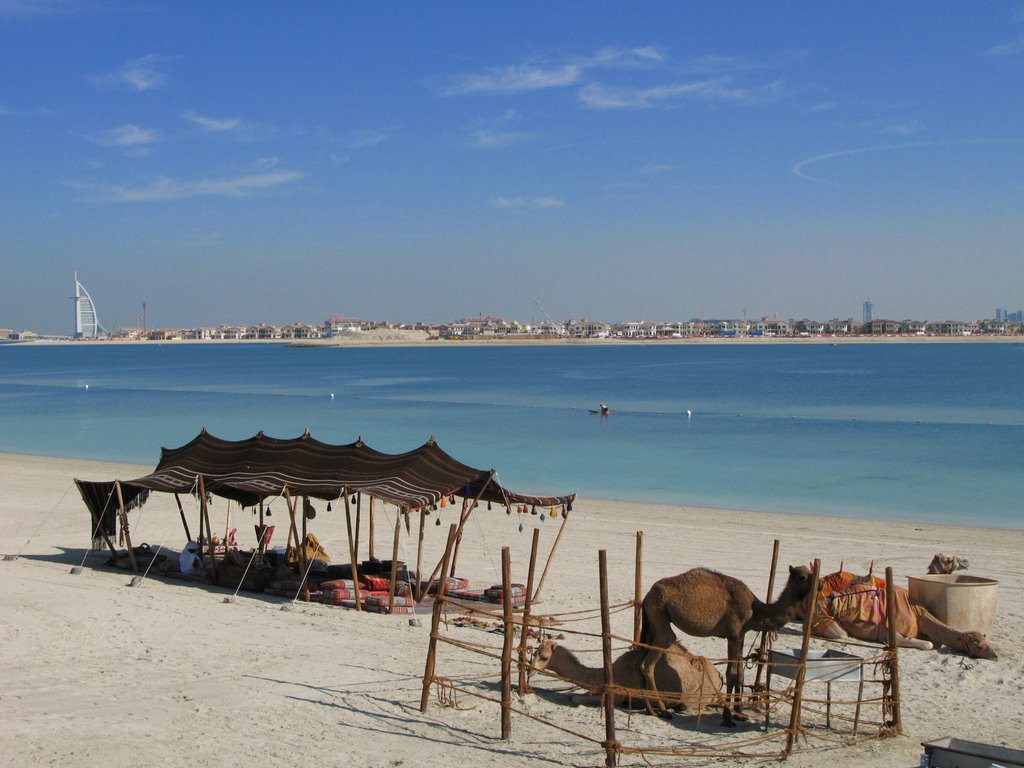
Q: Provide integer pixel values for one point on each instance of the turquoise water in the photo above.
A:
(930, 432)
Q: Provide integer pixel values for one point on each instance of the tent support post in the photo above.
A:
(763, 647)
(638, 579)
(506, 648)
(359, 515)
(435, 623)
(394, 559)
(524, 682)
(467, 510)
(894, 671)
(371, 528)
(184, 520)
(801, 670)
(417, 592)
(611, 744)
(204, 510)
(551, 555)
(124, 526)
(352, 551)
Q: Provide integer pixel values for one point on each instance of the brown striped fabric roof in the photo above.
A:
(261, 467)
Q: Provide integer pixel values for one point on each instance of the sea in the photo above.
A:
(928, 432)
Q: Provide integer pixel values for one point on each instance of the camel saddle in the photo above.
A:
(847, 598)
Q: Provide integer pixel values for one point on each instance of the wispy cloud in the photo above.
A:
(371, 137)
(905, 128)
(497, 132)
(41, 9)
(535, 75)
(1012, 47)
(37, 112)
(213, 124)
(524, 203)
(513, 79)
(600, 96)
(125, 136)
(169, 189)
(799, 169)
(141, 74)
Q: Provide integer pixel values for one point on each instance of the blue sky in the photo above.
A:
(246, 162)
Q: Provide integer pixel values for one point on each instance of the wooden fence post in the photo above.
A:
(608, 696)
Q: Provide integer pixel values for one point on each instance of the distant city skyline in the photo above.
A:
(421, 162)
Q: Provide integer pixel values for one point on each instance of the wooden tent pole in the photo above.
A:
(371, 528)
(417, 587)
(524, 682)
(124, 526)
(435, 624)
(227, 525)
(762, 649)
(551, 555)
(506, 648)
(394, 561)
(359, 515)
(184, 521)
(638, 578)
(801, 670)
(607, 695)
(894, 672)
(204, 510)
(352, 553)
(300, 549)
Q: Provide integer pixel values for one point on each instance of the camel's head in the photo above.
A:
(542, 655)
(975, 644)
(801, 579)
(943, 563)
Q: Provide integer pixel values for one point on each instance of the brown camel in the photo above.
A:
(705, 603)
(855, 606)
(943, 563)
(686, 680)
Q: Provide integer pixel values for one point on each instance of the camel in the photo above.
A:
(855, 606)
(705, 603)
(943, 563)
(686, 680)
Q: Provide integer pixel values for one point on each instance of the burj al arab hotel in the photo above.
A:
(87, 322)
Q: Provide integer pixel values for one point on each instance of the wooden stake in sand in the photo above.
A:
(506, 648)
(352, 551)
(894, 702)
(524, 634)
(638, 601)
(435, 622)
(611, 744)
(801, 670)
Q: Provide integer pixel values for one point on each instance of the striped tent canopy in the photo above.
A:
(248, 471)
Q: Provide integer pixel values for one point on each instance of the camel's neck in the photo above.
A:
(772, 616)
(939, 632)
(564, 664)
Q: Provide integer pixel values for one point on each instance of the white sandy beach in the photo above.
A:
(96, 672)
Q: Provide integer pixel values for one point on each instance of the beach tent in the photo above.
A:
(261, 467)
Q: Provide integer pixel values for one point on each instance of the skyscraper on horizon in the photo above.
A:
(868, 306)
(87, 322)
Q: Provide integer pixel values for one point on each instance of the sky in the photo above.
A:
(245, 162)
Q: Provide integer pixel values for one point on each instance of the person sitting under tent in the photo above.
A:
(189, 562)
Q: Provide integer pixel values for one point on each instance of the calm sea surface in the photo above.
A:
(930, 432)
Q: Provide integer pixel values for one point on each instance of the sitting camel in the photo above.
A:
(705, 603)
(855, 606)
(686, 680)
(943, 563)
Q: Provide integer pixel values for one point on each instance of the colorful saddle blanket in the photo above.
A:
(846, 598)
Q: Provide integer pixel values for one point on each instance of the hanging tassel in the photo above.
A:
(533, 510)
(438, 521)
(354, 498)
(328, 506)
(469, 491)
(542, 517)
(520, 527)
(444, 502)
(488, 506)
(568, 507)
(268, 511)
(554, 512)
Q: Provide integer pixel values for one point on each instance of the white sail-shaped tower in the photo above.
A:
(87, 322)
